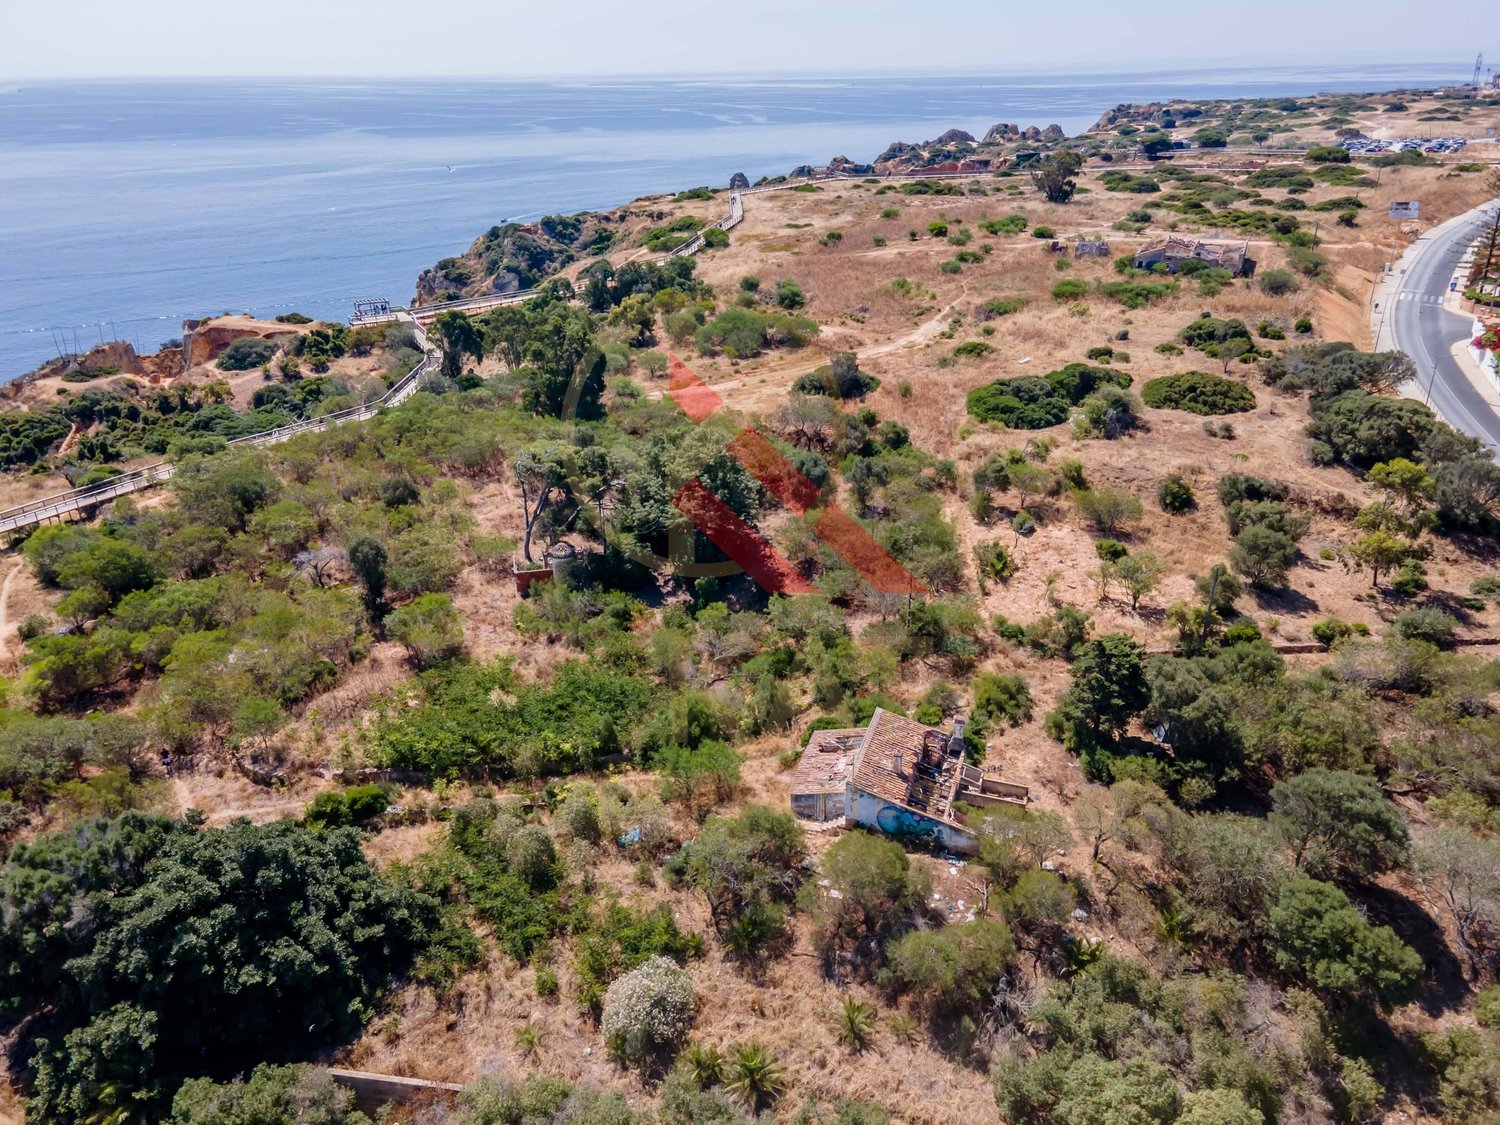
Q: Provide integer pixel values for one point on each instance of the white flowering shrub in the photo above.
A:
(649, 1010)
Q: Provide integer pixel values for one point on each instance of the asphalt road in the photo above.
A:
(1418, 325)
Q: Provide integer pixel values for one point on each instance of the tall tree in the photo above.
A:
(1108, 690)
(1053, 176)
(1338, 823)
(169, 951)
(459, 338)
(368, 558)
(538, 472)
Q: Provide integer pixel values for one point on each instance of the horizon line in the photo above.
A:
(1070, 69)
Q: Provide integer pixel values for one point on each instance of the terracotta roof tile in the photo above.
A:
(875, 767)
(827, 761)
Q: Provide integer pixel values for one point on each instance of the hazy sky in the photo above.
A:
(504, 38)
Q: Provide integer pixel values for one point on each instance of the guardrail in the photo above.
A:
(62, 504)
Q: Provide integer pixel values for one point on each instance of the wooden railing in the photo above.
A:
(63, 504)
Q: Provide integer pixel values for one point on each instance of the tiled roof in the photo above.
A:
(875, 767)
(827, 761)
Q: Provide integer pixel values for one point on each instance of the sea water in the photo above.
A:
(126, 207)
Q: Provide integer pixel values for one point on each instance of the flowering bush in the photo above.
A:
(648, 1010)
(1489, 339)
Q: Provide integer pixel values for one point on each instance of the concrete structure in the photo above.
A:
(1174, 251)
(1091, 250)
(373, 1091)
(899, 777)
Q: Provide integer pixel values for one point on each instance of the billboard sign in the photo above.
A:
(1406, 209)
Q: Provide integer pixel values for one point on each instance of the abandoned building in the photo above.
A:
(897, 776)
(1173, 252)
(1087, 249)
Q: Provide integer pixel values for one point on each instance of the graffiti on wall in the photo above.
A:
(896, 821)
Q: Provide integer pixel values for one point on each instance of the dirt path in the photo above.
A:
(7, 658)
(796, 365)
(259, 812)
(71, 440)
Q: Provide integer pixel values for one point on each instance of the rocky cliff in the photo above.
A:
(516, 256)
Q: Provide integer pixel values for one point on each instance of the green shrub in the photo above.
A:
(1069, 289)
(1011, 224)
(1208, 331)
(993, 561)
(742, 333)
(789, 295)
(1331, 630)
(840, 378)
(1410, 579)
(1278, 283)
(1135, 294)
(271, 1094)
(245, 353)
(1175, 495)
(1198, 393)
(648, 1011)
(1004, 306)
(1427, 624)
(1486, 587)
(973, 349)
(337, 809)
(1029, 402)
(1043, 232)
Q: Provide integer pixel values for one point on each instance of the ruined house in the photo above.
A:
(1174, 251)
(897, 776)
(1090, 249)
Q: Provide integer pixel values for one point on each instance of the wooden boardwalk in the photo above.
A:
(85, 501)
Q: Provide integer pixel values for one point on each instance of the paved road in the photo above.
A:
(1419, 325)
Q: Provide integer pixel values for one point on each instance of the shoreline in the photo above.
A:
(1061, 100)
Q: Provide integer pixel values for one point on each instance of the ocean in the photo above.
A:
(126, 207)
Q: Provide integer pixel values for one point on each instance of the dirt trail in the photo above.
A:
(7, 658)
(797, 365)
(258, 811)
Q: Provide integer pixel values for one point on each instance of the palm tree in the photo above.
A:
(755, 1077)
(856, 1024)
(529, 1039)
(707, 1065)
(903, 1027)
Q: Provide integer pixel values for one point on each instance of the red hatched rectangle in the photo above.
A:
(737, 539)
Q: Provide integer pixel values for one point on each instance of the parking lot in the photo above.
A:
(1370, 147)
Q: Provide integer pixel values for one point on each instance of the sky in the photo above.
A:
(507, 39)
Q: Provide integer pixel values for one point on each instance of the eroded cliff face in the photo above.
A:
(203, 342)
(110, 357)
